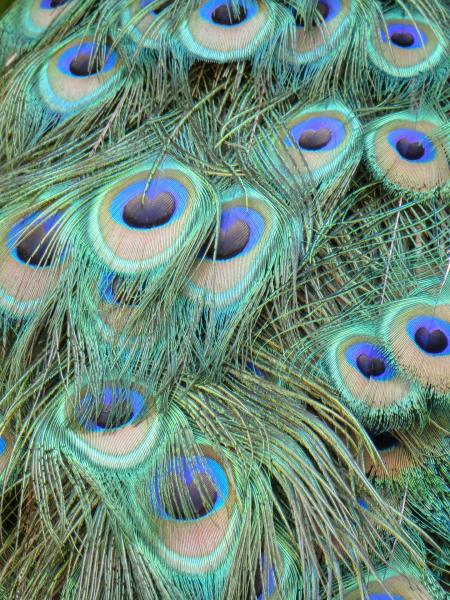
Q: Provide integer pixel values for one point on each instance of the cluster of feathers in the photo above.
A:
(224, 300)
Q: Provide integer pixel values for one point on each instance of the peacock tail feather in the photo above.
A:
(224, 300)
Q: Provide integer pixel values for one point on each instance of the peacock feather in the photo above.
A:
(224, 300)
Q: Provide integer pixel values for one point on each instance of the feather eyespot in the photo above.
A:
(405, 47)
(192, 488)
(369, 381)
(193, 498)
(330, 24)
(221, 30)
(223, 272)
(78, 75)
(239, 231)
(117, 408)
(318, 141)
(144, 33)
(139, 225)
(113, 427)
(37, 15)
(407, 152)
(418, 333)
(32, 261)
(31, 241)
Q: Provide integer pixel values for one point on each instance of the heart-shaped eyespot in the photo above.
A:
(432, 342)
(193, 499)
(402, 39)
(370, 367)
(143, 213)
(227, 15)
(410, 150)
(232, 240)
(314, 139)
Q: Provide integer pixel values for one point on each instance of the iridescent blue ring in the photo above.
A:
(431, 323)
(412, 136)
(16, 232)
(207, 9)
(419, 37)
(355, 350)
(151, 190)
(185, 469)
(334, 126)
(89, 48)
(110, 396)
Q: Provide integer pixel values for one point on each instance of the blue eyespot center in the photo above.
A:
(191, 488)
(430, 334)
(116, 408)
(412, 145)
(370, 361)
(226, 14)
(240, 230)
(384, 441)
(317, 134)
(404, 36)
(31, 240)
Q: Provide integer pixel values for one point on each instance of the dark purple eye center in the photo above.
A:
(162, 7)
(35, 248)
(144, 213)
(314, 139)
(57, 3)
(85, 64)
(410, 150)
(384, 441)
(232, 241)
(195, 499)
(370, 367)
(322, 8)
(113, 415)
(402, 39)
(227, 15)
(432, 342)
